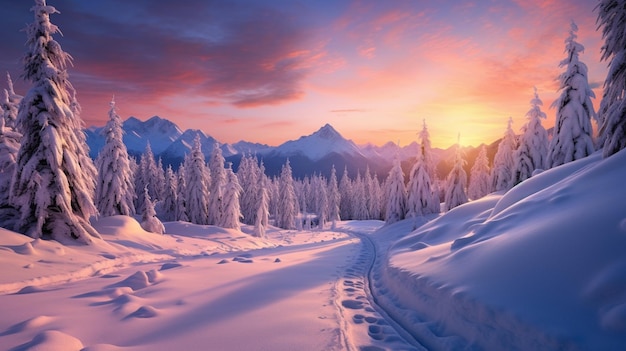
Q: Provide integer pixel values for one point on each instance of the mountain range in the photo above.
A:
(310, 154)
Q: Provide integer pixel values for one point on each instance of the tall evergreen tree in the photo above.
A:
(503, 162)
(359, 200)
(9, 146)
(287, 203)
(456, 181)
(480, 183)
(115, 191)
(248, 174)
(181, 195)
(231, 210)
(532, 151)
(197, 185)
(612, 20)
(54, 184)
(10, 105)
(420, 200)
(170, 196)
(217, 184)
(334, 199)
(345, 191)
(396, 201)
(261, 220)
(572, 131)
(429, 159)
(322, 206)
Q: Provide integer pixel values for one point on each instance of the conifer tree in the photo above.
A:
(261, 220)
(197, 185)
(334, 199)
(9, 146)
(359, 200)
(612, 20)
(231, 210)
(115, 191)
(480, 182)
(532, 151)
(322, 207)
(149, 220)
(431, 164)
(217, 184)
(396, 201)
(10, 105)
(54, 184)
(572, 130)
(420, 200)
(345, 191)
(248, 174)
(181, 194)
(503, 162)
(287, 203)
(170, 196)
(456, 182)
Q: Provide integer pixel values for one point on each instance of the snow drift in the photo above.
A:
(540, 267)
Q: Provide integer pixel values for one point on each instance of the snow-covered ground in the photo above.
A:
(540, 267)
(196, 288)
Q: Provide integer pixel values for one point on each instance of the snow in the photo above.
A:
(319, 144)
(541, 266)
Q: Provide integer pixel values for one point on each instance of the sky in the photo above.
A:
(271, 71)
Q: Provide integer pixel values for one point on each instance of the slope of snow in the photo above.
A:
(319, 144)
(541, 267)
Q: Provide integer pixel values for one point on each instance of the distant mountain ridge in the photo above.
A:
(309, 154)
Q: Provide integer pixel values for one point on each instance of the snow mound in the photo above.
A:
(51, 340)
(541, 267)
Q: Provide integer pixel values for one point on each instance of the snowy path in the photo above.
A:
(367, 324)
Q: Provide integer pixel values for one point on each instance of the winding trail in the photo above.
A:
(368, 326)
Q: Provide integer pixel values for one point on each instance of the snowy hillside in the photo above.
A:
(541, 267)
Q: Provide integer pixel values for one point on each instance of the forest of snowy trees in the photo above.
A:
(49, 187)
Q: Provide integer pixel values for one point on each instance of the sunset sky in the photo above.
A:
(270, 71)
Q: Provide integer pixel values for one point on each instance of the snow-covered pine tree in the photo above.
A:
(572, 130)
(9, 146)
(612, 114)
(115, 191)
(532, 152)
(231, 214)
(420, 200)
(334, 199)
(396, 200)
(149, 220)
(503, 162)
(480, 182)
(168, 206)
(322, 208)
(217, 184)
(429, 159)
(146, 176)
(376, 198)
(345, 191)
(54, 184)
(456, 181)
(261, 220)
(359, 200)
(181, 194)
(197, 185)
(248, 174)
(287, 203)
(10, 105)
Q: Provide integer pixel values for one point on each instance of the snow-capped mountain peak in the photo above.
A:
(321, 143)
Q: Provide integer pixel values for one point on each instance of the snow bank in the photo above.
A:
(541, 267)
